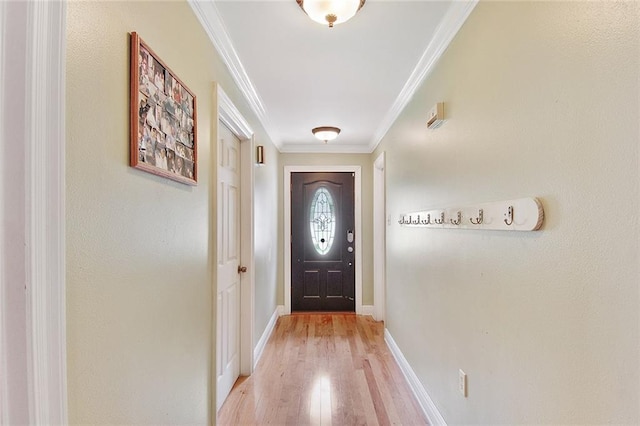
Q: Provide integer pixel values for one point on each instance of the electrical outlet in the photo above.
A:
(462, 383)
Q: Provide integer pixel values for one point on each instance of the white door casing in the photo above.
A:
(379, 238)
(235, 246)
(288, 170)
(32, 258)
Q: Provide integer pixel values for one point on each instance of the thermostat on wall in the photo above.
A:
(436, 116)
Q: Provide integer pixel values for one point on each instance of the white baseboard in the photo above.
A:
(281, 310)
(426, 403)
(262, 343)
(368, 310)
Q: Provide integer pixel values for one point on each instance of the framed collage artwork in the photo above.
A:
(163, 118)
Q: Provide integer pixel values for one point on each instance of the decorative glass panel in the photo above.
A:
(322, 220)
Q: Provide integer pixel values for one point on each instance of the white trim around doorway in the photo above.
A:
(231, 117)
(357, 171)
(379, 238)
(33, 80)
(46, 290)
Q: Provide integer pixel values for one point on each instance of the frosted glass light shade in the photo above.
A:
(330, 12)
(326, 133)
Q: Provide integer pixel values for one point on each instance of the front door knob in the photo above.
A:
(242, 269)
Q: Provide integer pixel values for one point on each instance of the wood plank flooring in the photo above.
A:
(324, 369)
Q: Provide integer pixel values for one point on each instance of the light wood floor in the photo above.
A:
(323, 369)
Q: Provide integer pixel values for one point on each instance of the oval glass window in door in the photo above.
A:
(322, 220)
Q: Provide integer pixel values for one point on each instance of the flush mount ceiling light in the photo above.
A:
(331, 12)
(326, 133)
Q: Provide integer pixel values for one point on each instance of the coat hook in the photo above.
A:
(441, 220)
(458, 220)
(429, 219)
(509, 216)
(401, 221)
(416, 222)
(480, 218)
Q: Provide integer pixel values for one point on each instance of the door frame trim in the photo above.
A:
(288, 170)
(231, 117)
(379, 238)
(42, 230)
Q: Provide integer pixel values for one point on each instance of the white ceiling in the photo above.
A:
(297, 74)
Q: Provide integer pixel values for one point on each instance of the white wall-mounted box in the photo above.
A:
(436, 116)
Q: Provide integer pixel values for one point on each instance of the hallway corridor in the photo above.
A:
(324, 369)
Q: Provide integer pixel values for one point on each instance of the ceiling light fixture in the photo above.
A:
(326, 133)
(331, 12)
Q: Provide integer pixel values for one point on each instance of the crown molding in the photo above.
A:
(457, 14)
(211, 21)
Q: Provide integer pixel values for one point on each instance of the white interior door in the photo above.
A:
(228, 293)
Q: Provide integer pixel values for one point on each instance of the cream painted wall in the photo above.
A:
(140, 249)
(541, 99)
(362, 160)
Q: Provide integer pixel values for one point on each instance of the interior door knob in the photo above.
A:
(242, 269)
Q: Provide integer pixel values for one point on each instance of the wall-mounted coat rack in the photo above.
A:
(524, 214)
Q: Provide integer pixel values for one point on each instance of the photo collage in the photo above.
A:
(165, 119)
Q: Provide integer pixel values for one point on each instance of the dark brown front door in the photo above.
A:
(322, 242)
